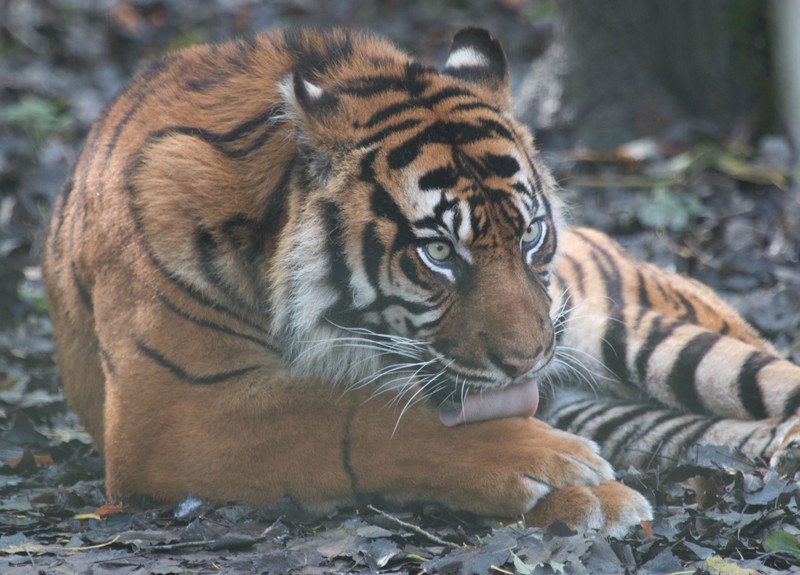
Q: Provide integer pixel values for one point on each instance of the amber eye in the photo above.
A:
(533, 233)
(438, 250)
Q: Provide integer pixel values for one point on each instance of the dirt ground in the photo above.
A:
(726, 214)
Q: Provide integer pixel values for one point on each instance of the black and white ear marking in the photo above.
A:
(311, 98)
(307, 106)
(478, 58)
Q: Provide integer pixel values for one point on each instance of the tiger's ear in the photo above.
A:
(310, 108)
(313, 100)
(477, 58)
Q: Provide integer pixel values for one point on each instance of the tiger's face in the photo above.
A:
(430, 272)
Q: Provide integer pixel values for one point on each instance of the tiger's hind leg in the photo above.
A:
(647, 434)
(684, 365)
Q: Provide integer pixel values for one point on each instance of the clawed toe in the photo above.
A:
(611, 508)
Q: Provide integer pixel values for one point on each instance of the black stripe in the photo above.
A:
(411, 270)
(384, 301)
(369, 86)
(436, 221)
(275, 213)
(615, 339)
(388, 131)
(451, 133)
(434, 323)
(658, 334)
(106, 359)
(403, 107)
(445, 94)
(90, 148)
(347, 463)
(502, 166)
(144, 84)
(636, 432)
(773, 432)
(667, 295)
(604, 431)
(207, 257)
(383, 206)
(313, 58)
(746, 439)
(221, 142)
(84, 294)
(59, 213)
(471, 106)
(373, 252)
(682, 379)
(567, 414)
(580, 279)
(220, 65)
(339, 273)
(598, 410)
(703, 425)
(792, 404)
(588, 409)
(749, 392)
(439, 179)
(386, 113)
(215, 326)
(183, 375)
(334, 230)
(690, 313)
(417, 78)
(644, 298)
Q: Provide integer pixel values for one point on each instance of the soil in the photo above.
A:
(724, 213)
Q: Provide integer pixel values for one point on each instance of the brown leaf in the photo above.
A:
(109, 509)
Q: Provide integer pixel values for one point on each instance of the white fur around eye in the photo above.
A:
(533, 237)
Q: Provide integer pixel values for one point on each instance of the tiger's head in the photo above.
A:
(418, 253)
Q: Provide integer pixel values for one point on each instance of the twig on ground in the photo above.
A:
(415, 528)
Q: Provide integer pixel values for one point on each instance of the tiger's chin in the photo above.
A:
(515, 400)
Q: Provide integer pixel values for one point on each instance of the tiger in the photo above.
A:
(304, 264)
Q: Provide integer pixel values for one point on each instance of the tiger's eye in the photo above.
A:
(438, 250)
(532, 233)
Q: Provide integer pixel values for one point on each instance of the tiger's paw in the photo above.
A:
(786, 459)
(505, 467)
(611, 507)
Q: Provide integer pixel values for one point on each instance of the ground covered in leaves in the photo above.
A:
(726, 214)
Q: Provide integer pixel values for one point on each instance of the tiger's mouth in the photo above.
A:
(516, 400)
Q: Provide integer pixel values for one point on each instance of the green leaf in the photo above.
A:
(672, 209)
(521, 567)
(37, 117)
(719, 566)
(782, 542)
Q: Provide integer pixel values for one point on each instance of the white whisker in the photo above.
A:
(422, 388)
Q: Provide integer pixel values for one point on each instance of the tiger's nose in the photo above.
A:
(514, 366)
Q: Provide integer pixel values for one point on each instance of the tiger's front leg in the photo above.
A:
(305, 439)
(678, 365)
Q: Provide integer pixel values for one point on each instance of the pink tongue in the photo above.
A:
(513, 400)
